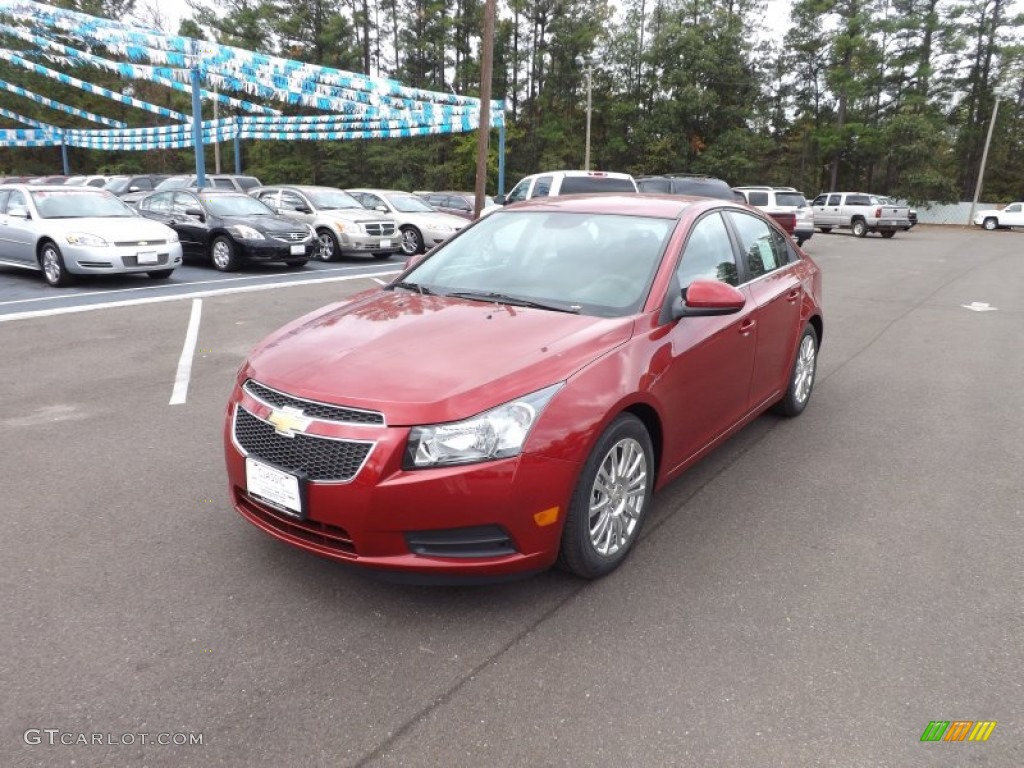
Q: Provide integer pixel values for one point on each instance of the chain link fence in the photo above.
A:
(956, 213)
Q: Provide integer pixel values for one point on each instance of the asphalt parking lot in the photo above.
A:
(812, 594)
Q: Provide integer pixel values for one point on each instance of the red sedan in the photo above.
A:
(513, 398)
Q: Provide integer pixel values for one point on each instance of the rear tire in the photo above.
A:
(991, 223)
(801, 378)
(610, 502)
(860, 229)
(52, 262)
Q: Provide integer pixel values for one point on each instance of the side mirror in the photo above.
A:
(19, 213)
(499, 199)
(133, 188)
(706, 298)
(196, 212)
(381, 208)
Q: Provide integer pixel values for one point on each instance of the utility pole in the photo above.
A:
(484, 129)
(984, 160)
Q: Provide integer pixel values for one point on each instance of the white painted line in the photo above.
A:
(187, 353)
(195, 295)
(980, 306)
(172, 286)
(377, 280)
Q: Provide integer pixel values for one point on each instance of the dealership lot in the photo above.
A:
(814, 593)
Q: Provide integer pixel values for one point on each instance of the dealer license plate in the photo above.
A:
(279, 488)
(148, 257)
(385, 243)
(298, 250)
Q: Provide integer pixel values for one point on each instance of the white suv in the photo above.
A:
(783, 200)
(555, 183)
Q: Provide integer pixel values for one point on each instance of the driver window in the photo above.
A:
(708, 253)
(291, 201)
(182, 203)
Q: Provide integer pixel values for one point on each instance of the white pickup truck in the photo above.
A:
(859, 212)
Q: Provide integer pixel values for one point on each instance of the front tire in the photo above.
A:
(327, 248)
(610, 502)
(52, 262)
(801, 378)
(222, 254)
(991, 223)
(412, 241)
(860, 229)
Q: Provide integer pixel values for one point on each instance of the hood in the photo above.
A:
(354, 214)
(114, 229)
(270, 225)
(426, 359)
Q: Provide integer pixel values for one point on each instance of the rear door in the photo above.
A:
(771, 272)
(20, 232)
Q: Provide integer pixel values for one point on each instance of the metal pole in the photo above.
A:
(216, 144)
(64, 156)
(984, 159)
(238, 145)
(484, 129)
(197, 129)
(586, 157)
(501, 158)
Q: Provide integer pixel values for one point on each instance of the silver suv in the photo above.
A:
(783, 200)
(343, 226)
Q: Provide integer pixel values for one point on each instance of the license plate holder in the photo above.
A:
(284, 491)
(148, 257)
(385, 243)
(298, 250)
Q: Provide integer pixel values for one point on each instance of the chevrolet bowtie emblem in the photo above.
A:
(287, 421)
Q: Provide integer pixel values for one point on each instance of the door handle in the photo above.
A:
(747, 326)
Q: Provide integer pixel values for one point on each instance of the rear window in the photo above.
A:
(575, 185)
(757, 198)
(248, 182)
(654, 185)
(790, 198)
(858, 200)
(705, 188)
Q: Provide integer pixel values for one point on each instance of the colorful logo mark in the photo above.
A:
(958, 730)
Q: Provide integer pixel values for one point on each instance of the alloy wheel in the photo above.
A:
(617, 497)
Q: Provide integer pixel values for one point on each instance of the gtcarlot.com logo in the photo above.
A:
(958, 730)
(56, 737)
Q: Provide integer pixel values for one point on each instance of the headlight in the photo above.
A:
(84, 238)
(494, 434)
(243, 232)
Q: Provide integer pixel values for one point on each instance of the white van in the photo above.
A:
(555, 183)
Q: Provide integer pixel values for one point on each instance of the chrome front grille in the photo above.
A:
(294, 236)
(319, 459)
(379, 228)
(140, 243)
(311, 409)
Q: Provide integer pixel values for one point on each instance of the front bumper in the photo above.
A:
(474, 521)
(357, 244)
(275, 250)
(107, 260)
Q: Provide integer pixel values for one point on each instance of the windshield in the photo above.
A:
(790, 198)
(235, 205)
(73, 204)
(330, 200)
(410, 204)
(117, 185)
(174, 182)
(597, 264)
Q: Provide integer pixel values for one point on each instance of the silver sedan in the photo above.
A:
(68, 231)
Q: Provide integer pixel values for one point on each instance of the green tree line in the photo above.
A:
(893, 96)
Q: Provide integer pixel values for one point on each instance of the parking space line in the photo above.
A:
(174, 286)
(180, 296)
(184, 373)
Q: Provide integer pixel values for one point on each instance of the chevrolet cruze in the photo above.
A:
(513, 399)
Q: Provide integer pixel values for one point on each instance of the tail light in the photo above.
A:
(878, 213)
(786, 220)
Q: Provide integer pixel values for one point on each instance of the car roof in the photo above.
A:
(302, 187)
(643, 204)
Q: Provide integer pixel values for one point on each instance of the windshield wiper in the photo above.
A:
(504, 298)
(413, 287)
